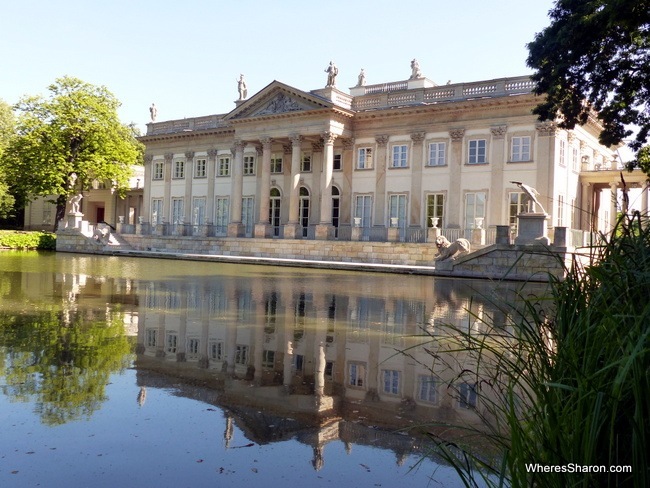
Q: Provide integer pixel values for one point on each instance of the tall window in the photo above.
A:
(391, 379)
(427, 389)
(249, 165)
(364, 158)
(198, 211)
(171, 342)
(303, 209)
(397, 209)
(437, 154)
(520, 149)
(560, 210)
(221, 206)
(193, 347)
(179, 169)
(200, 168)
(516, 205)
(363, 209)
(399, 159)
(337, 166)
(467, 395)
(436, 209)
(474, 208)
(274, 210)
(156, 211)
(562, 153)
(241, 355)
(247, 213)
(177, 210)
(336, 206)
(276, 164)
(574, 159)
(158, 170)
(223, 166)
(477, 153)
(215, 350)
(305, 163)
(357, 374)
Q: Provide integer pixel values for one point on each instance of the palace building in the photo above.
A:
(288, 163)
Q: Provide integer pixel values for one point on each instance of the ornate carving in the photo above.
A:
(456, 134)
(348, 143)
(212, 153)
(571, 137)
(281, 103)
(417, 137)
(381, 140)
(547, 128)
(148, 158)
(328, 137)
(296, 139)
(169, 157)
(189, 155)
(317, 146)
(287, 148)
(237, 145)
(259, 149)
(266, 141)
(499, 132)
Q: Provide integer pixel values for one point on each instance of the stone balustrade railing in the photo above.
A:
(186, 125)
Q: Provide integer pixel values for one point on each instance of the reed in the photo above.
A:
(567, 383)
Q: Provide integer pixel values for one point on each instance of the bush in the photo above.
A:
(27, 240)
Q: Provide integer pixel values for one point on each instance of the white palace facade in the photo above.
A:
(288, 163)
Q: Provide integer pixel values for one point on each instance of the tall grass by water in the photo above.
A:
(563, 381)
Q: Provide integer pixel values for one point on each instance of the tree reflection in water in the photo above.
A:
(61, 362)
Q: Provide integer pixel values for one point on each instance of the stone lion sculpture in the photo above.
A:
(451, 250)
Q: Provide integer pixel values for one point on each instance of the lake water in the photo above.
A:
(146, 372)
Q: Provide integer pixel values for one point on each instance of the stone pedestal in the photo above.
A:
(292, 231)
(324, 232)
(503, 235)
(262, 230)
(357, 233)
(74, 220)
(478, 237)
(236, 229)
(433, 233)
(560, 237)
(532, 229)
(393, 234)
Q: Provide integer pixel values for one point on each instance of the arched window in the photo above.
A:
(303, 210)
(274, 211)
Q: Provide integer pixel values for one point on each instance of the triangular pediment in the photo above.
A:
(278, 99)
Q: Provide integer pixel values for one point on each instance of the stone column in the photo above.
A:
(291, 229)
(545, 161)
(189, 176)
(585, 207)
(212, 171)
(146, 200)
(416, 179)
(325, 229)
(455, 163)
(380, 185)
(613, 186)
(167, 199)
(235, 227)
(497, 159)
(263, 227)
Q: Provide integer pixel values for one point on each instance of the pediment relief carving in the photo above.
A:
(277, 102)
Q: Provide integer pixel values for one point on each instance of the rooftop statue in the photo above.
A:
(242, 88)
(362, 78)
(331, 71)
(153, 111)
(415, 70)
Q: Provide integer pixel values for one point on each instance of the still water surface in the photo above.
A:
(145, 372)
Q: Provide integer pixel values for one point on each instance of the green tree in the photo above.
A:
(598, 52)
(7, 127)
(76, 130)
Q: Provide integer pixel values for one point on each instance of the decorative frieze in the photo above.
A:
(499, 131)
(456, 134)
(381, 140)
(417, 137)
(547, 128)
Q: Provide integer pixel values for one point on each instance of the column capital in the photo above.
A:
(148, 158)
(547, 128)
(212, 153)
(266, 141)
(189, 155)
(296, 139)
(259, 149)
(499, 131)
(571, 137)
(328, 137)
(381, 140)
(456, 134)
(417, 137)
(169, 157)
(348, 143)
(286, 148)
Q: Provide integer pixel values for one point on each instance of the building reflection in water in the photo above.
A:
(351, 362)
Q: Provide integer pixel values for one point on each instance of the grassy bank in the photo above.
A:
(15, 239)
(564, 386)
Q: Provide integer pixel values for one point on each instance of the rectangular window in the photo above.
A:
(215, 350)
(399, 159)
(198, 211)
(193, 348)
(437, 154)
(179, 169)
(427, 389)
(516, 205)
(305, 163)
(560, 210)
(467, 395)
(397, 210)
(575, 159)
(337, 163)
(247, 213)
(249, 165)
(151, 338)
(562, 153)
(474, 209)
(158, 170)
(477, 153)
(363, 210)
(222, 210)
(156, 211)
(223, 168)
(357, 375)
(436, 210)
(268, 359)
(171, 343)
(200, 168)
(177, 211)
(241, 355)
(364, 158)
(276, 165)
(391, 381)
(520, 149)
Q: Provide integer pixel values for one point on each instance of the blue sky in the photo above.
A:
(186, 56)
